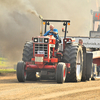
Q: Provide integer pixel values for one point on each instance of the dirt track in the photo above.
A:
(11, 89)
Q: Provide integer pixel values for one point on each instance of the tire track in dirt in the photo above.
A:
(58, 94)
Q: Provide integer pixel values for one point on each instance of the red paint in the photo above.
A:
(59, 53)
(64, 73)
(33, 59)
(39, 55)
(46, 59)
(32, 66)
(96, 61)
(27, 63)
(50, 67)
(63, 30)
(54, 60)
(52, 40)
(98, 16)
(39, 63)
(41, 66)
(67, 65)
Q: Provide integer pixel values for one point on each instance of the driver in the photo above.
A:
(80, 42)
(53, 32)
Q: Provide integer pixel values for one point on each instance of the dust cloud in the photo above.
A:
(16, 27)
(19, 21)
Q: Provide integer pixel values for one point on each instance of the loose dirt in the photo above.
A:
(11, 89)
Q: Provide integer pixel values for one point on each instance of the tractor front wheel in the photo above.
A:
(61, 72)
(21, 73)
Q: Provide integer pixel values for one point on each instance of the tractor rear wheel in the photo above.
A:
(27, 55)
(28, 52)
(21, 73)
(61, 72)
(74, 55)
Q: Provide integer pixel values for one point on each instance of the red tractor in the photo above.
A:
(40, 55)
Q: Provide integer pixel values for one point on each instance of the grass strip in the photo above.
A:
(7, 70)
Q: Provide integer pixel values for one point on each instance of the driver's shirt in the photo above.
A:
(55, 35)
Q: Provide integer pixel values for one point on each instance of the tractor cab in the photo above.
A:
(47, 22)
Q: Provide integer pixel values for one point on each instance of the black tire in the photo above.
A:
(61, 72)
(89, 60)
(21, 73)
(28, 52)
(27, 55)
(84, 67)
(31, 76)
(92, 76)
(72, 54)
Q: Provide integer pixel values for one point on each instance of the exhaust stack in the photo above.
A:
(41, 25)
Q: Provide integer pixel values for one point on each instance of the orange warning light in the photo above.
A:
(43, 23)
(68, 23)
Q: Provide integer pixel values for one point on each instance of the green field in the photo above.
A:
(7, 70)
(4, 62)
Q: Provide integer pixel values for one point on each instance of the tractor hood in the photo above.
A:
(44, 39)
